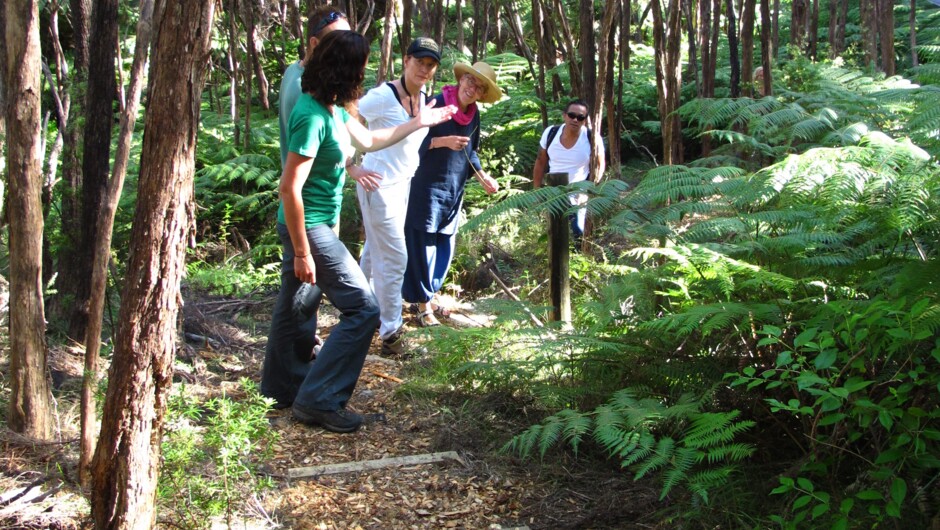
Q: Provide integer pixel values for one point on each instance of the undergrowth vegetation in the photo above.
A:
(759, 323)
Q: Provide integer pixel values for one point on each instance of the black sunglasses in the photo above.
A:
(330, 18)
(573, 116)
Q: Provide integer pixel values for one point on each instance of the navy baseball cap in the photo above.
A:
(424, 47)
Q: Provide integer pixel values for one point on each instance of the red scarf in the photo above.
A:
(450, 98)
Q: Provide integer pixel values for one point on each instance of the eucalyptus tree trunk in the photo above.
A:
(70, 205)
(234, 65)
(667, 40)
(29, 409)
(886, 32)
(626, 16)
(515, 25)
(251, 11)
(99, 119)
(460, 36)
(568, 47)
(765, 48)
(834, 45)
(733, 50)
(539, 34)
(704, 16)
(550, 52)
(869, 20)
(776, 28)
(365, 21)
(614, 123)
(3, 105)
(600, 95)
(407, 13)
(747, 46)
(587, 48)
(102, 251)
(912, 22)
(385, 62)
(440, 21)
(296, 26)
(688, 11)
(58, 84)
(813, 31)
(799, 11)
(128, 454)
(475, 35)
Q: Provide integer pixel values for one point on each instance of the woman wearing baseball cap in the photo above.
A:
(448, 159)
(383, 214)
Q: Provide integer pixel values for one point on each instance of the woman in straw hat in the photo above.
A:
(448, 159)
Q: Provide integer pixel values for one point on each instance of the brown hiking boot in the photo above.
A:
(394, 345)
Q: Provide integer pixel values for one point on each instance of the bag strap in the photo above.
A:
(553, 132)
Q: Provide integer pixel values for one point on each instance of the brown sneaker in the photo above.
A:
(394, 344)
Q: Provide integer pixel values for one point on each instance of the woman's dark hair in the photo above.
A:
(580, 102)
(335, 72)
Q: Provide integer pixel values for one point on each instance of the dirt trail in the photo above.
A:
(225, 342)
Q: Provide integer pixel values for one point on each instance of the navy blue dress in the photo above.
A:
(434, 207)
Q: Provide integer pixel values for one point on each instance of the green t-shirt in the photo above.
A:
(316, 133)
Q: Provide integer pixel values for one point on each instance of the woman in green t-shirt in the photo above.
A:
(320, 137)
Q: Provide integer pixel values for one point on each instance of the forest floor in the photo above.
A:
(481, 490)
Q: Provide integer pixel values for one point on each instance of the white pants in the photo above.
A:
(384, 255)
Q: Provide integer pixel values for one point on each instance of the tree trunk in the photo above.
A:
(886, 21)
(233, 68)
(667, 39)
(834, 49)
(128, 453)
(251, 11)
(704, 25)
(733, 51)
(912, 21)
(62, 102)
(3, 104)
(613, 117)
(693, 49)
(102, 91)
(296, 26)
(70, 205)
(765, 47)
(798, 15)
(587, 48)
(461, 45)
(776, 28)
(868, 13)
(538, 30)
(747, 47)
(515, 26)
(568, 48)
(102, 252)
(813, 30)
(386, 51)
(407, 14)
(440, 21)
(30, 397)
(627, 16)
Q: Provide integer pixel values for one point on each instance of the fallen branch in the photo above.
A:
(386, 376)
(515, 298)
(367, 465)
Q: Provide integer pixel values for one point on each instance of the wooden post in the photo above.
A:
(558, 233)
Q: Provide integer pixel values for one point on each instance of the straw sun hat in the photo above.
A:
(485, 74)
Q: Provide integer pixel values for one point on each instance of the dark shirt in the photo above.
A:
(438, 185)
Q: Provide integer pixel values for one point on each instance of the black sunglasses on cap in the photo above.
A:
(573, 116)
(330, 18)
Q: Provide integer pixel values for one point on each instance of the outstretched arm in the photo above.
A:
(365, 140)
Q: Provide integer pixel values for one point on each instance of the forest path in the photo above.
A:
(478, 492)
